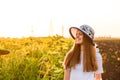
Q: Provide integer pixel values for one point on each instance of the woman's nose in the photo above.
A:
(77, 36)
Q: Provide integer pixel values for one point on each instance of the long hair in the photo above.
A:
(73, 57)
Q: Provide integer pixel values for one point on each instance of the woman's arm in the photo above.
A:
(67, 74)
(98, 73)
(98, 77)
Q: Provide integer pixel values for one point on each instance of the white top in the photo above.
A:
(78, 74)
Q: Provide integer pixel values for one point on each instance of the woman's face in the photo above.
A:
(79, 37)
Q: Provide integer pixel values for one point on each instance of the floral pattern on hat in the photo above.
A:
(87, 30)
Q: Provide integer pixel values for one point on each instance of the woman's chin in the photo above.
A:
(78, 43)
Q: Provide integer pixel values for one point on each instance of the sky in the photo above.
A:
(24, 18)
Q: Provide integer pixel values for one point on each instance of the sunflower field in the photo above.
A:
(41, 58)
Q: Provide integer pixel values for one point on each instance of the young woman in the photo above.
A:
(83, 61)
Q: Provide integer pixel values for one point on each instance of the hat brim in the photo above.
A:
(73, 30)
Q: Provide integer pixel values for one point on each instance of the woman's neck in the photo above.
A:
(81, 47)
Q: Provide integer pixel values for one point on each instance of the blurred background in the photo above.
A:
(24, 18)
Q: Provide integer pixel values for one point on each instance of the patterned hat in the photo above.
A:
(85, 29)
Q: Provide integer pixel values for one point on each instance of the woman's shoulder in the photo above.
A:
(98, 54)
